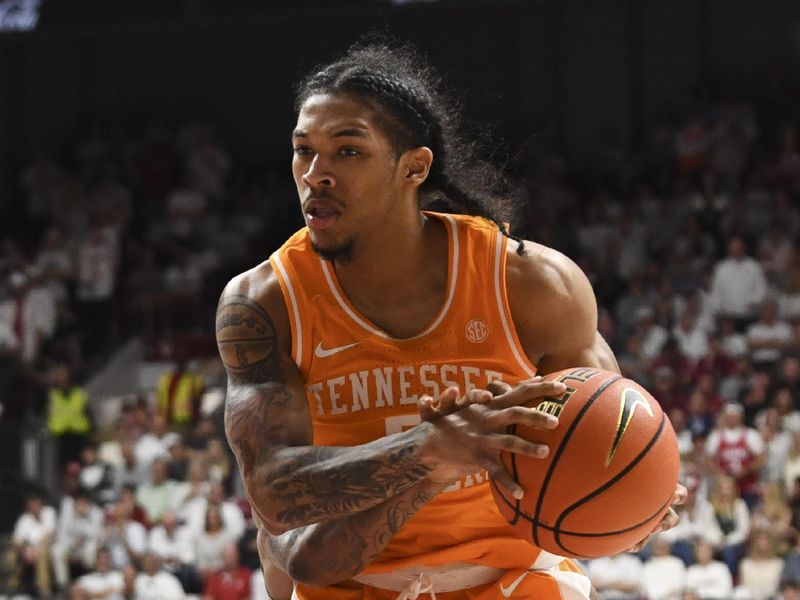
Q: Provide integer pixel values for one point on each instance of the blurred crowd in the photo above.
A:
(692, 245)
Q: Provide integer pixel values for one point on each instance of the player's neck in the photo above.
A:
(389, 255)
(398, 276)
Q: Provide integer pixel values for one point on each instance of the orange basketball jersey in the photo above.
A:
(362, 384)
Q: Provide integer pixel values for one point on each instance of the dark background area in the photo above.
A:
(578, 71)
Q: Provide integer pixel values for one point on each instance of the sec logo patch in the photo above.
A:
(477, 330)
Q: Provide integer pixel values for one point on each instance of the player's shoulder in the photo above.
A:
(544, 271)
(258, 284)
(257, 291)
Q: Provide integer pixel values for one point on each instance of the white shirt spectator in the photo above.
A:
(134, 535)
(178, 548)
(692, 343)
(150, 447)
(711, 582)
(112, 584)
(663, 577)
(194, 515)
(161, 586)
(778, 333)
(96, 266)
(607, 572)
(760, 577)
(738, 285)
(30, 531)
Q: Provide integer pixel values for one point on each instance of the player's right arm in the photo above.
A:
(290, 482)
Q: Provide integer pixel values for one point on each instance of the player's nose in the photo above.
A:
(318, 174)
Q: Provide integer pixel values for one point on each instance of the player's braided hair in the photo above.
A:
(404, 91)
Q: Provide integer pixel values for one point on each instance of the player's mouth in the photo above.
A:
(321, 214)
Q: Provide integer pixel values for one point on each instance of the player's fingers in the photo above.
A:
(425, 407)
(681, 493)
(669, 521)
(447, 401)
(498, 387)
(518, 445)
(527, 392)
(521, 415)
(474, 397)
(499, 474)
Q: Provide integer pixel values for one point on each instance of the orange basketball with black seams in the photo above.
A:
(611, 472)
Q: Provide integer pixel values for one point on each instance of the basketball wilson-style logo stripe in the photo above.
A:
(628, 403)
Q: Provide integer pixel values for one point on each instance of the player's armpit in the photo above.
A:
(289, 482)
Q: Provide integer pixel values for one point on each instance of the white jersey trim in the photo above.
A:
(298, 345)
(501, 309)
(374, 330)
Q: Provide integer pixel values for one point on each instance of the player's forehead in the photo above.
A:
(335, 114)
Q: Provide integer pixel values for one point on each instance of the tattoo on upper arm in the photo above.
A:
(247, 341)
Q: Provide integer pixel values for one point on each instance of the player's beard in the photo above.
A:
(341, 253)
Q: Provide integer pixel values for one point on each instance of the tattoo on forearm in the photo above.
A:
(357, 539)
(335, 484)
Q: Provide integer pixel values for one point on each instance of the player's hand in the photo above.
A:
(670, 519)
(469, 431)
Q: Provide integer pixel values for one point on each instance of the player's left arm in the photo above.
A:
(554, 310)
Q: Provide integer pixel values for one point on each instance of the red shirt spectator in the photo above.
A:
(232, 582)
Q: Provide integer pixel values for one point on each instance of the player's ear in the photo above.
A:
(417, 164)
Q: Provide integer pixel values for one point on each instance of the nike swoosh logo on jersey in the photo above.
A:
(507, 591)
(321, 352)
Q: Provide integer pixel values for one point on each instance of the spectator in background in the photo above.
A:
(664, 575)
(110, 450)
(791, 470)
(179, 461)
(791, 565)
(737, 451)
(211, 541)
(739, 284)
(131, 472)
(29, 555)
(768, 338)
(698, 522)
(760, 571)
(77, 539)
(156, 442)
(96, 273)
(157, 496)
(174, 544)
(125, 538)
(97, 477)
(196, 511)
(777, 444)
(154, 583)
(232, 581)
(733, 518)
(699, 417)
(789, 288)
(67, 414)
(708, 578)
(218, 461)
(617, 577)
(178, 394)
(104, 582)
(653, 335)
(790, 590)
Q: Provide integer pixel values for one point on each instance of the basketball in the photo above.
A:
(610, 475)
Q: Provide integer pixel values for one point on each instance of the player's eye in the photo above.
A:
(346, 151)
(303, 150)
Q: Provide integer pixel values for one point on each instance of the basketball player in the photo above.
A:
(377, 313)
